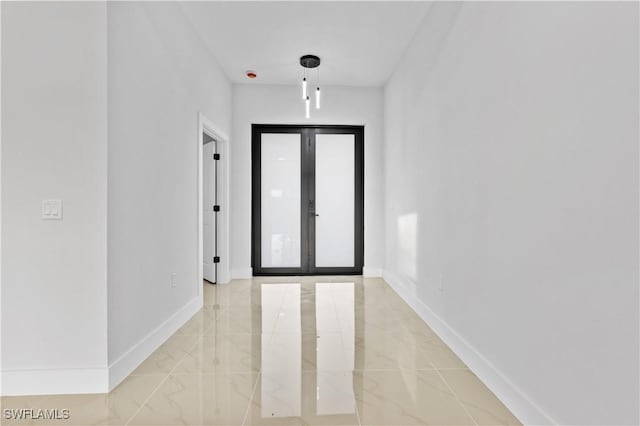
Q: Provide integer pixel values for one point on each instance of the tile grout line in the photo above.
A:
(355, 400)
(161, 382)
(255, 386)
(457, 397)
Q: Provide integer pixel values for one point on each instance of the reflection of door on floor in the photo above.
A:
(308, 203)
(210, 209)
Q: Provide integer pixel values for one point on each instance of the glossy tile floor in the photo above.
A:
(293, 351)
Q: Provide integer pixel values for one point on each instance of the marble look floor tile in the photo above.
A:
(323, 350)
(387, 319)
(200, 323)
(406, 398)
(439, 354)
(236, 320)
(114, 408)
(223, 353)
(236, 293)
(168, 355)
(400, 323)
(479, 401)
(399, 350)
(303, 398)
(198, 399)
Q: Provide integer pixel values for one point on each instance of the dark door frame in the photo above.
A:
(307, 209)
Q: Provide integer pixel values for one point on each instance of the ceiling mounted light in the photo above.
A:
(308, 62)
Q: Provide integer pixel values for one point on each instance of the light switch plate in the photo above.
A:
(52, 209)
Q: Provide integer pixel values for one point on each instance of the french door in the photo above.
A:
(307, 200)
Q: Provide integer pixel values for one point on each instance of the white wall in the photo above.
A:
(54, 111)
(511, 139)
(274, 104)
(160, 77)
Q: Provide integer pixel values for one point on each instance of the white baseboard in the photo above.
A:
(54, 381)
(371, 272)
(241, 273)
(510, 395)
(130, 360)
(94, 380)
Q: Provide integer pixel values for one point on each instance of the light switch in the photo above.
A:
(52, 209)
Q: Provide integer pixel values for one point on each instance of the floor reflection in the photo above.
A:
(293, 351)
(326, 314)
(281, 350)
(335, 348)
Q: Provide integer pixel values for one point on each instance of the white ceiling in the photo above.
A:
(359, 43)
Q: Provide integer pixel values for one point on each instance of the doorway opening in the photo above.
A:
(210, 208)
(307, 200)
(213, 202)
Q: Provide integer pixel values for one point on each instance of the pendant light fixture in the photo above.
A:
(304, 86)
(318, 88)
(308, 62)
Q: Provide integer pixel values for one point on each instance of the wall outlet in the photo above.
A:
(173, 279)
(52, 209)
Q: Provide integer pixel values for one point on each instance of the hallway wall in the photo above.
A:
(277, 104)
(54, 146)
(160, 76)
(511, 199)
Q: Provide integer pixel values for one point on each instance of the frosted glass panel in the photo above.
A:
(280, 195)
(335, 181)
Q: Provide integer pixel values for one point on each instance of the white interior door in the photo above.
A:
(335, 202)
(280, 169)
(208, 215)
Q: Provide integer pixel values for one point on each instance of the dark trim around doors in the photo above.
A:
(307, 209)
